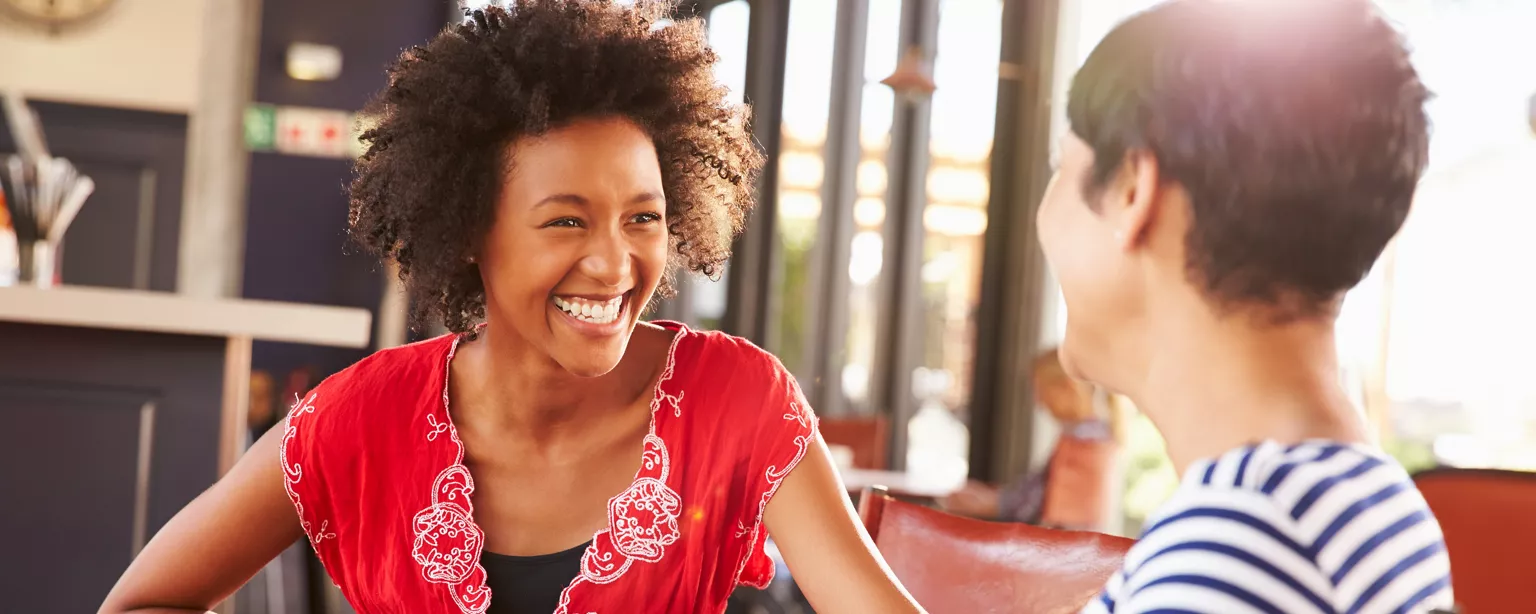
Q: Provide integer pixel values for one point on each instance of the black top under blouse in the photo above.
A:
(529, 584)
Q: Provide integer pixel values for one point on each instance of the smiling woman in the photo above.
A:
(537, 174)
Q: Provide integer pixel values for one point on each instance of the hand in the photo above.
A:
(975, 499)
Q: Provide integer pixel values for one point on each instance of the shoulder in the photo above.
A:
(730, 360)
(412, 364)
(387, 380)
(415, 361)
(1319, 525)
(756, 397)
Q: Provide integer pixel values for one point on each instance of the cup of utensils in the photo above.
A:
(43, 194)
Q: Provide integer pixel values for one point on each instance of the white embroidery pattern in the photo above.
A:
(675, 399)
(642, 520)
(437, 427)
(447, 541)
(292, 472)
(775, 475)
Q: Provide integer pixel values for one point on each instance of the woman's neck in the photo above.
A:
(513, 386)
(1213, 385)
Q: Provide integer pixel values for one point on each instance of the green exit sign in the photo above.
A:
(261, 127)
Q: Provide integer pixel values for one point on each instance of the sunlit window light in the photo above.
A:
(958, 185)
(728, 36)
(940, 268)
(800, 170)
(865, 258)
(954, 221)
(871, 179)
(869, 212)
(798, 204)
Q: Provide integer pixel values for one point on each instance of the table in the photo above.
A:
(899, 483)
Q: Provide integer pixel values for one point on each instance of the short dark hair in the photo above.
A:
(1297, 127)
(426, 187)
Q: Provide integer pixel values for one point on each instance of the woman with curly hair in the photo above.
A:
(538, 173)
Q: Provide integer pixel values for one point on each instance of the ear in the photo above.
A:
(1136, 197)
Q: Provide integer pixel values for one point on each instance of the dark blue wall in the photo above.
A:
(296, 243)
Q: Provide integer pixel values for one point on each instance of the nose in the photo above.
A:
(609, 259)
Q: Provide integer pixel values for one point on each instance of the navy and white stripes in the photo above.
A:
(1315, 527)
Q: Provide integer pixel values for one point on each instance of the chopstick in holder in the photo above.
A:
(23, 212)
(25, 127)
(70, 206)
(45, 196)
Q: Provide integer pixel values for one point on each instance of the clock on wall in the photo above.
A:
(55, 14)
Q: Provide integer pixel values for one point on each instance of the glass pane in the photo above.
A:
(728, 31)
(867, 252)
(1453, 370)
(954, 219)
(807, 94)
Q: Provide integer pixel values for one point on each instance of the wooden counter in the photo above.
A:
(116, 409)
(159, 312)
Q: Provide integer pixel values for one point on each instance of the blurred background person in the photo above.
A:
(1076, 488)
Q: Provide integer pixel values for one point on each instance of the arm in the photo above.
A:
(817, 530)
(216, 543)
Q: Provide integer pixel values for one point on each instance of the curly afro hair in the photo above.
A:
(425, 189)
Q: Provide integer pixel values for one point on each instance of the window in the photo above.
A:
(828, 296)
(807, 90)
(866, 253)
(1440, 336)
(964, 109)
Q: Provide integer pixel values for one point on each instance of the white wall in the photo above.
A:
(140, 54)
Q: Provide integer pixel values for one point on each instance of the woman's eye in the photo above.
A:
(646, 218)
(564, 222)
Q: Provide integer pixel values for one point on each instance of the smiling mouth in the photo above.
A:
(594, 311)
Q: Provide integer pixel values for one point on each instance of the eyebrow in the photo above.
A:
(581, 201)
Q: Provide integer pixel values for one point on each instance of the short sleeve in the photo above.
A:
(784, 428)
(303, 476)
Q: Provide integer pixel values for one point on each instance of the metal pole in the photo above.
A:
(1011, 309)
(899, 345)
(751, 277)
(829, 288)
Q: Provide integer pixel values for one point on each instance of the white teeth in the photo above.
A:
(591, 311)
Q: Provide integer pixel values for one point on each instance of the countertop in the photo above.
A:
(162, 312)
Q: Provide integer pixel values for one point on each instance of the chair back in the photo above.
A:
(957, 565)
(866, 436)
(1489, 520)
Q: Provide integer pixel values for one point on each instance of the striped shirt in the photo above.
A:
(1314, 527)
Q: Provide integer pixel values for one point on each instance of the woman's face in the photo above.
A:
(1096, 275)
(579, 243)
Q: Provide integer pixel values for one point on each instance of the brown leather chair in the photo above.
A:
(1489, 520)
(957, 565)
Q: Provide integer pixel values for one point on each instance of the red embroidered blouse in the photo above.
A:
(375, 470)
